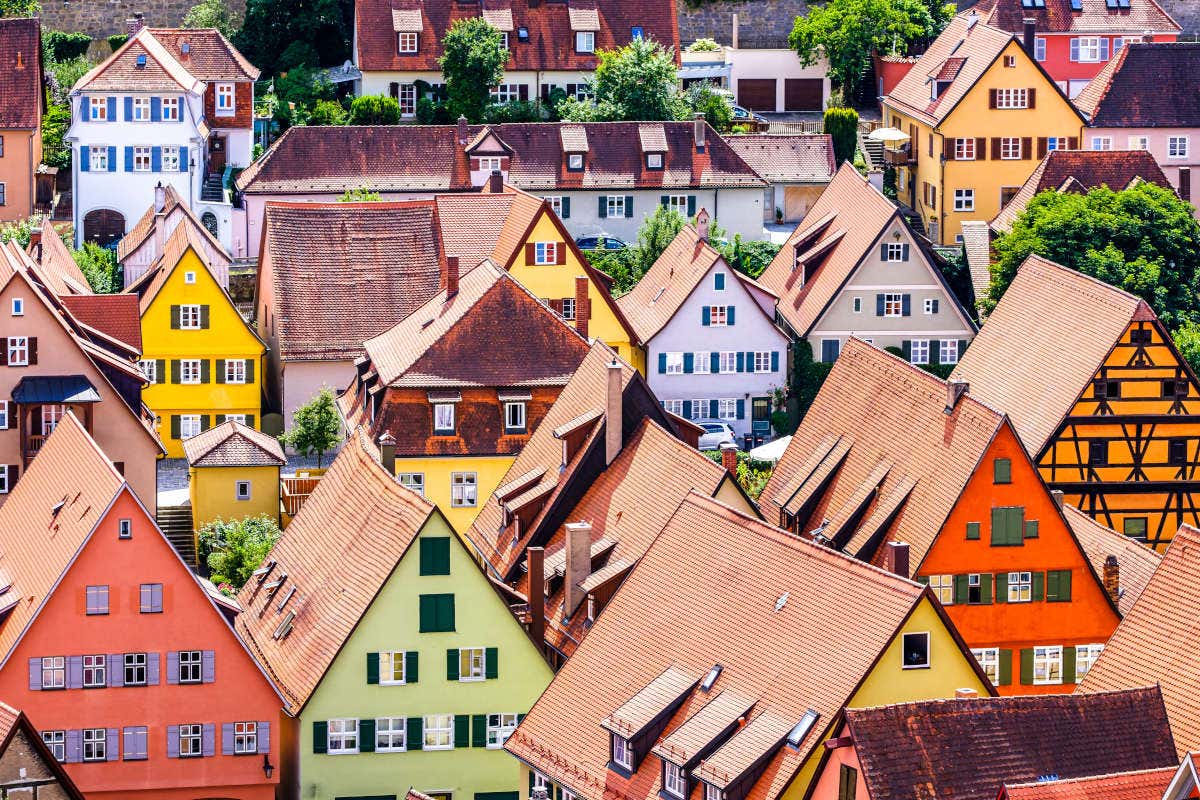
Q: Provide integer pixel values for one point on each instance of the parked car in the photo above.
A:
(600, 242)
(743, 114)
(716, 433)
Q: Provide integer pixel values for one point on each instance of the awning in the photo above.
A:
(700, 71)
(55, 389)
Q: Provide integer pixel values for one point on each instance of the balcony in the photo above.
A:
(899, 157)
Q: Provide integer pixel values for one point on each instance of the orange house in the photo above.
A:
(123, 660)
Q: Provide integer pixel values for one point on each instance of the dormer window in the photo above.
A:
(575, 162)
(674, 780)
(443, 418)
(406, 42)
(622, 755)
(585, 41)
(939, 88)
(141, 61)
(654, 160)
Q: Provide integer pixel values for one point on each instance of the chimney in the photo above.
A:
(583, 309)
(1030, 36)
(734, 37)
(451, 276)
(160, 198)
(729, 458)
(160, 221)
(35, 244)
(579, 564)
(613, 411)
(1147, 37)
(495, 182)
(700, 125)
(135, 23)
(965, 694)
(702, 224)
(1185, 183)
(1112, 578)
(897, 558)
(387, 452)
(955, 389)
(535, 561)
(1057, 496)
(462, 130)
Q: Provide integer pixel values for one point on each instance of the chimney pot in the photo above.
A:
(702, 225)
(135, 23)
(965, 694)
(495, 182)
(1147, 37)
(955, 389)
(1057, 496)
(578, 566)
(729, 453)
(387, 452)
(1112, 578)
(536, 560)
(451, 276)
(897, 558)
(583, 309)
(160, 198)
(699, 125)
(1030, 42)
(462, 130)
(613, 414)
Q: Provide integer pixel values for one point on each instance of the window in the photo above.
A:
(506, 93)
(654, 161)
(718, 316)
(674, 363)
(679, 202)
(943, 588)
(439, 731)
(964, 149)
(701, 362)
(98, 109)
(545, 253)
(989, 662)
(141, 109)
(189, 424)
(1020, 587)
(1139, 142)
(504, 39)
(556, 204)
(408, 99)
(947, 350)
(97, 599)
(919, 352)
(190, 666)
(895, 252)
(674, 779)
(1052, 143)
(413, 480)
(18, 306)
(727, 408)
(462, 489)
(242, 490)
(1102, 143)
(95, 744)
(1047, 665)
(95, 671)
(245, 737)
(1085, 658)
(964, 199)
(893, 305)
(125, 529)
(406, 42)
(1177, 147)
(189, 317)
(916, 650)
(1177, 452)
(514, 416)
(499, 728)
(98, 158)
(1092, 49)
(856, 305)
(471, 663)
(342, 736)
(224, 99)
(1010, 148)
(616, 205)
(712, 792)
(151, 598)
(18, 351)
(699, 409)
(930, 305)
(56, 742)
(762, 361)
(673, 407)
(51, 414)
(1097, 453)
(621, 753)
(141, 159)
(54, 672)
(235, 370)
(585, 41)
(1012, 98)
(149, 368)
(391, 668)
(135, 669)
(170, 109)
(975, 593)
(727, 361)
(575, 161)
(170, 160)
(443, 418)
(1039, 48)
(568, 308)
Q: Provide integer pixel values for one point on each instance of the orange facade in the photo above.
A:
(146, 727)
(1014, 579)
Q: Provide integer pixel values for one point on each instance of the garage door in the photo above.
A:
(802, 94)
(757, 94)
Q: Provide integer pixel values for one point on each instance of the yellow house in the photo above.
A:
(203, 362)
(233, 472)
(980, 113)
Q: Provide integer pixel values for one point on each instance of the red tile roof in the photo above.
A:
(968, 749)
(1136, 561)
(12, 720)
(1094, 16)
(1117, 96)
(144, 227)
(1148, 784)
(167, 68)
(806, 158)
(550, 44)
(56, 265)
(232, 444)
(114, 315)
(210, 56)
(21, 100)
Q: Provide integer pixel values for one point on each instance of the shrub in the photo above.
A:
(327, 112)
(842, 125)
(99, 266)
(233, 549)
(375, 110)
(704, 45)
(63, 46)
(55, 151)
(116, 40)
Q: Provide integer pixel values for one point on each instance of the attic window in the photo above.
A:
(654, 161)
(1033, 3)
(622, 754)
(802, 728)
(261, 572)
(939, 88)
(125, 529)
(523, 34)
(185, 48)
(141, 61)
(575, 162)
(711, 678)
(781, 602)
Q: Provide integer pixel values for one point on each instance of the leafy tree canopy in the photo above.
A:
(635, 82)
(234, 548)
(210, 14)
(375, 109)
(19, 8)
(99, 266)
(55, 150)
(316, 428)
(473, 58)
(327, 112)
(271, 26)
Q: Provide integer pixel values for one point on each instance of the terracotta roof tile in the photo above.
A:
(1066, 323)
(1094, 16)
(652, 138)
(232, 444)
(967, 749)
(1117, 96)
(651, 304)
(21, 102)
(806, 158)
(144, 227)
(159, 71)
(977, 244)
(115, 315)
(337, 553)
(185, 237)
(210, 56)
(56, 265)
(1149, 784)
(1137, 562)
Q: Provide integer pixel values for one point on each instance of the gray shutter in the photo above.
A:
(74, 746)
(175, 318)
(172, 741)
(209, 666)
(264, 737)
(879, 305)
(566, 208)
(208, 739)
(904, 252)
(203, 317)
(173, 665)
(35, 674)
(116, 669)
(205, 365)
(112, 744)
(249, 378)
(226, 738)
(152, 664)
(603, 211)
(628, 206)
(74, 672)
(883, 251)
(220, 370)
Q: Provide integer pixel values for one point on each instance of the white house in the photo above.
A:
(170, 106)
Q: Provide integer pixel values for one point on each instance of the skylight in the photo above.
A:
(802, 728)
(711, 678)
(781, 602)
(141, 61)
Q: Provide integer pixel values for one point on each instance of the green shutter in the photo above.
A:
(437, 613)
(985, 588)
(160, 371)
(479, 730)
(435, 555)
(175, 327)
(1039, 586)
(960, 588)
(414, 737)
(366, 735)
(250, 370)
(1027, 666)
(372, 668)
(1031, 529)
(204, 370)
(922, 579)
(203, 318)
(175, 371)
(1058, 586)
(446, 613)
(462, 730)
(220, 370)
(1001, 587)
(205, 421)
(1002, 470)
(175, 427)
(972, 530)
(998, 520)
(320, 736)
(492, 662)
(1005, 667)
(249, 420)
(1069, 653)
(1052, 585)
(452, 656)
(410, 666)
(1064, 586)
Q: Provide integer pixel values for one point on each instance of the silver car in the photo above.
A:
(716, 433)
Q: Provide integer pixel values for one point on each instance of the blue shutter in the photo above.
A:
(112, 109)
(264, 737)
(208, 739)
(208, 666)
(84, 157)
(115, 669)
(152, 669)
(691, 205)
(829, 350)
(879, 305)
(111, 744)
(603, 212)
(729, 315)
(774, 361)
(741, 361)
(566, 208)
(129, 109)
(689, 362)
(156, 159)
(687, 409)
(904, 252)
(705, 316)
(173, 666)
(74, 746)
(74, 672)
(183, 159)
(129, 159)
(713, 406)
(714, 362)
(226, 738)
(741, 408)
(155, 109)
(85, 107)
(719, 281)
(172, 741)
(907, 305)
(112, 158)
(662, 363)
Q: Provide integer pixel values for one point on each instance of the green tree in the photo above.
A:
(99, 266)
(18, 231)
(704, 98)
(360, 195)
(375, 109)
(327, 112)
(210, 14)
(271, 26)
(842, 126)
(62, 75)
(55, 151)
(234, 548)
(19, 8)
(316, 428)
(63, 46)
(1143, 239)
(635, 82)
(849, 31)
(704, 45)
(1187, 339)
(657, 232)
(473, 58)
(116, 40)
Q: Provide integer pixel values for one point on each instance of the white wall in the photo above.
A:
(736, 210)
(777, 64)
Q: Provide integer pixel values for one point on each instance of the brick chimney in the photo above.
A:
(536, 562)
(1057, 496)
(583, 308)
(451, 276)
(702, 224)
(1112, 578)
(729, 457)
(135, 23)
(955, 389)
(578, 566)
(613, 413)
(700, 126)
(462, 130)
(35, 244)
(897, 558)
(1030, 39)
(495, 182)
(387, 452)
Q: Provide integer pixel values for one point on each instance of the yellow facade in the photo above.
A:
(1130, 458)
(222, 337)
(558, 281)
(437, 475)
(214, 493)
(992, 179)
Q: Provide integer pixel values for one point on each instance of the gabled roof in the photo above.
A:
(210, 56)
(333, 561)
(143, 229)
(1157, 639)
(968, 749)
(1117, 96)
(232, 444)
(977, 246)
(115, 315)
(550, 27)
(667, 619)
(1146, 784)
(159, 71)
(11, 721)
(1136, 561)
(1080, 171)
(1043, 343)
(21, 99)
(1093, 16)
(56, 265)
(185, 237)
(805, 158)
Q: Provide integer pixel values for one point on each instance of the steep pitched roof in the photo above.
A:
(143, 229)
(185, 237)
(1156, 640)
(805, 158)
(548, 45)
(159, 71)
(56, 265)
(21, 100)
(210, 56)
(1081, 170)
(11, 721)
(1136, 561)
(968, 749)
(1117, 96)
(1067, 323)
(1093, 16)
(880, 423)
(337, 555)
(1146, 784)
(977, 246)
(232, 444)
(115, 315)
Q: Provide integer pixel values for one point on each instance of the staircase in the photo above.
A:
(872, 150)
(213, 190)
(914, 220)
(176, 524)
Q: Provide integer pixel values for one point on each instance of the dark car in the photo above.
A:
(742, 114)
(600, 243)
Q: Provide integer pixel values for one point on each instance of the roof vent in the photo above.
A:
(185, 48)
(285, 626)
(141, 61)
(802, 728)
(711, 678)
(781, 602)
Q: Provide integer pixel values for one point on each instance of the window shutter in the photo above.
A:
(204, 317)
(687, 409)
(156, 159)
(906, 305)
(960, 588)
(662, 363)
(249, 379)
(155, 109)
(452, 664)
(263, 729)
(879, 305)
(980, 148)
(84, 151)
(741, 361)
(1043, 145)
(85, 107)
(173, 741)
(774, 361)
(116, 669)
(566, 208)
(664, 200)
(174, 319)
(208, 740)
(372, 668)
(530, 253)
(74, 672)
(111, 102)
(523, 92)
(628, 206)
(729, 319)
(129, 159)
(1005, 667)
(972, 530)
(173, 662)
(128, 109)
(714, 362)
(741, 408)
(904, 252)
(689, 362)
(183, 157)
(1051, 585)
(995, 146)
(691, 205)
(205, 376)
(906, 349)
(1026, 147)
(226, 738)
(35, 674)
(1001, 587)
(249, 420)
(560, 253)
(1031, 529)
(152, 669)
(1039, 586)
(410, 666)
(462, 730)
(1068, 672)
(713, 407)
(366, 735)
(1033, 91)
(205, 419)
(160, 370)
(999, 520)
(962, 348)
(948, 148)
(220, 370)
(479, 730)
(705, 316)
(935, 352)
(882, 253)
(414, 737)
(603, 212)
(985, 588)
(74, 746)
(176, 429)
(208, 666)
(321, 736)
(991, 98)
(1072, 142)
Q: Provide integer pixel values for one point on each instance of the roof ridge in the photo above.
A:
(1042, 262)
(1086, 778)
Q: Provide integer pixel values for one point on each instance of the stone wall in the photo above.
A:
(761, 23)
(102, 18)
(1187, 14)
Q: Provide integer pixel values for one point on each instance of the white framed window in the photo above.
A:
(654, 161)
(443, 418)
(413, 480)
(701, 362)
(1177, 147)
(1118, 43)
(942, 587)
(191, 666)
(189, 371)
(238, 418)
(699, 409)
(98, 158)
(142, 161)
(727, 408)
(1139, 142)
(674, 779)
(568, 308)
(919, 352)
(1039, 48)
(1056, 143)
(895, 251)
(406, 42)
(235, 370)
(856, 305)
(621, 752)
(718, 316)
(988, 659)
(471, 663)
(727, 361)
(1010, 148)
(893, 305)
(391, 668)
(490, 164)
(556, 204)
(224, 99)
(964, 199)
(189, 425)
(545, 253)
(616, 205)
(948, 351)
(170, 109)
(463, 489)
(51, 414)
(439, 732)
(170, 159)
(141, 109)
(964, 149)
(713, 793)
(504, 39)
(585, 41)
(931, 306)
(514, 416)
(242, 490)
(18, 351)
(915, 650)
(762, 361)
(391, 735)
(1102, 143)
(189, 317)
(54, 672)
(245, 737)
(1012, 98)
(1020, 587)
(1090, 49)
(95, 744)
(575, 162)
(3, 416)
(506, 93)
(1047, 665)
(342, 736)
(1085, 658)
(135, 669)
(56, 742)
(18, 306)
(673, 407)
(98, 109)
(499, 728)
(125, 529)
(677, 202)
(674, 363)
(189, 277)
(407, 98)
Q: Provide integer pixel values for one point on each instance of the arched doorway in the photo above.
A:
(209, 220)
(103, 226)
